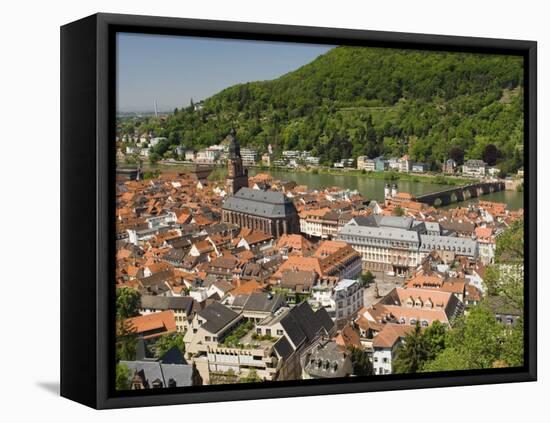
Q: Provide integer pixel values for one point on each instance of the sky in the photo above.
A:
(175, 69)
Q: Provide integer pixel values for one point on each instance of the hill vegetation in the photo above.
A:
(355, 101)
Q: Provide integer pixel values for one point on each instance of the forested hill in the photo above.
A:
(355, 101)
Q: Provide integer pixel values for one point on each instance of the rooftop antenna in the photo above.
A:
(156, 109)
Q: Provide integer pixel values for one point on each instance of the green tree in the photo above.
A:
(166, 342)
(490, 154)
(412, 354)
(123, 375)
(367, 278)
(398, 211)
(510, 244)
(126, 341)
(362, 365)
(449, 359)
(491, 280)
(127, 303)
(154, 157)
(475, 342)
(457, 154)
(434, 339)
(513, 345)
(251, 377)
(505, 277)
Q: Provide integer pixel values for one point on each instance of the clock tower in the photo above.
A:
(237, 175)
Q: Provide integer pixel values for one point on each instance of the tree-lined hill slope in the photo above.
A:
(368, 101)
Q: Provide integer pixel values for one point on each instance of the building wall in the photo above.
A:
(348, 301)
(241, 361)
(273, 226)
(382, 361)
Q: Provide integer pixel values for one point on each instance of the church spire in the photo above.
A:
(237, 176)
(234, 147)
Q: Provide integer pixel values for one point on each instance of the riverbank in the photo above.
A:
(389, 176)
(219, 173)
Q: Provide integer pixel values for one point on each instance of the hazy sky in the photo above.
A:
(174, 69)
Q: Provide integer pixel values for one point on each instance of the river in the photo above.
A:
(372, 188)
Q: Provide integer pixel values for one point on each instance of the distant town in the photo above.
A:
(139, 148)
(249, 278)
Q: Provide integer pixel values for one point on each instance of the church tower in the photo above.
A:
(237, 175)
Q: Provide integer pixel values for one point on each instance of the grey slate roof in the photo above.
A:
(173, 356)
(376, 221)
(239, 301)
(382, 230)
(302, 324)
(175, 255)
(263, 302)
(283, 348)
(329, 361)
(158, 302)
(462, 246)
(432, 226)
(475, 163)
(269, 204)
(182, 374)
(217, 316)
(383, 233)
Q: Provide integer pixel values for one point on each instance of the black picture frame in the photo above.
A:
(87, 208)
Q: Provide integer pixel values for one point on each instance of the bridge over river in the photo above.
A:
(454, 195)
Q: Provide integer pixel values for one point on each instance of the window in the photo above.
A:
(208, 338)
(279, 332)
(376, 359)
(385, 360)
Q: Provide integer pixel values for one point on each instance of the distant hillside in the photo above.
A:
(353, 101)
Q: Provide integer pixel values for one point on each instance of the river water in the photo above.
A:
(373, 189)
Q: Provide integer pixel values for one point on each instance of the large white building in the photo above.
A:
(474, 168)
(249, 156)
(398, 244)
(364, 163)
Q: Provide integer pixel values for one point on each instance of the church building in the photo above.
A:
(271, 212)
